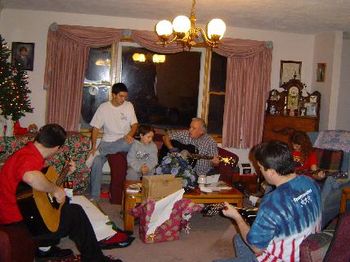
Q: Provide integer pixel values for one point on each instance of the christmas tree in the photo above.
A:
(14, 100)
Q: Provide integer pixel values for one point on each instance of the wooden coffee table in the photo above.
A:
(232, 196)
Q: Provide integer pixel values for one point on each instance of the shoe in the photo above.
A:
(53, 253)
(91, 158)
(111, 259)
(118, 240)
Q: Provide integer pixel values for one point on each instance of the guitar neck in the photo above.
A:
(62, 177)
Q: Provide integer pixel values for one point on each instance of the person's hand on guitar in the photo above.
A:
(144, 169)
(59, 194)
(318, 175)
(231, 212)
(215, 161)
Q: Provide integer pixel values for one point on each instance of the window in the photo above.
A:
(96, 84)
(217, 89)
(165, 94)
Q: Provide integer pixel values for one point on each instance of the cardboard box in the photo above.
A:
(158, 186)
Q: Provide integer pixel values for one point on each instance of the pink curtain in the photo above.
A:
(66, 59)
(247, 87)
(149, 39)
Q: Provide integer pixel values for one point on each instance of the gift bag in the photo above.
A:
(164, 222)
(158, 187)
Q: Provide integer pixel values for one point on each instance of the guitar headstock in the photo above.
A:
(228, 160)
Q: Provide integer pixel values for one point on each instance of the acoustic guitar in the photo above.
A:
(40, 209)
(190, 153)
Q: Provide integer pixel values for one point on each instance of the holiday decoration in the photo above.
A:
(14, 100)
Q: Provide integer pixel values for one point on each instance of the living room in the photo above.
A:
(331, 47)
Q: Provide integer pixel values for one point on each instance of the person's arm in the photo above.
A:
(153, 158)
(167, 141)
(133, 162)
(129, 137)
(312, 162)
(214, 152)
(94, 134)
(38, 181)
(244, 228)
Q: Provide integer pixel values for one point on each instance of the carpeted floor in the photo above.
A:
(209, 238)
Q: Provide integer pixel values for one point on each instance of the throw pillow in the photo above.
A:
(315, 246)
(330, 160)
(339, 247)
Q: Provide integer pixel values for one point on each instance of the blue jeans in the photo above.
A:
(243, 252)
(105, 148)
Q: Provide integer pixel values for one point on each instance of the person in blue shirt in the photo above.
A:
(286, 216)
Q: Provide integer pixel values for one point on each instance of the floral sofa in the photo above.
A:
(75, 147)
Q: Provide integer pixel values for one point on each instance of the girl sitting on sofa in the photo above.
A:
(304, 156)
(143, 155)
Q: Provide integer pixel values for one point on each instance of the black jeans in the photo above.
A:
(75, 224)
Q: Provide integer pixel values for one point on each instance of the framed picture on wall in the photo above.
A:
(290, 70)
(321, 72)
(23, 54)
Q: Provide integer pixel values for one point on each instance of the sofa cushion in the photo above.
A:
(339, 248)
(330, 160)
(315, 246)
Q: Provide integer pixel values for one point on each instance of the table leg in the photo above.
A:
(129, 204)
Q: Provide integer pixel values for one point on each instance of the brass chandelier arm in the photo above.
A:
(184, 31)
(165, 40)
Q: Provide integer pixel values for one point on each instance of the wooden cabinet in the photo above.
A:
(278, 127)
(289, 110)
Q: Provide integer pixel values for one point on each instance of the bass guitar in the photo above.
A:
(40, 209)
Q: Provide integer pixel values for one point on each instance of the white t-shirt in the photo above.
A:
(115, 120)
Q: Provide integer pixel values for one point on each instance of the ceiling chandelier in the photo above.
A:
(184, 31)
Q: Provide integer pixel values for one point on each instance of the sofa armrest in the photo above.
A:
(315, 246)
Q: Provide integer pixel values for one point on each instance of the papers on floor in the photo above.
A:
(97, 219)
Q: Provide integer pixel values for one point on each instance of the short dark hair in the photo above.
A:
(119, 87)
(144, 129)
(275, 155)
(51, 135)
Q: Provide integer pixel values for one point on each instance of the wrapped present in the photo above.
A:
(163, 220)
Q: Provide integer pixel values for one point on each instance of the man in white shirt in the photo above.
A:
(118, 120)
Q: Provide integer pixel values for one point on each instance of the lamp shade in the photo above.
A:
(216, 27)
(164, 28)
(181, 24)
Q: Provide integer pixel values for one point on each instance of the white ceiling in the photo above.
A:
(299, 16)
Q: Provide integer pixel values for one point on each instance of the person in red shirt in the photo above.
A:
(304, 156)
(25, 165)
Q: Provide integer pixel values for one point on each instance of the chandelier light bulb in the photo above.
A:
(164, 28)
(181, 24)
(216, 29)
